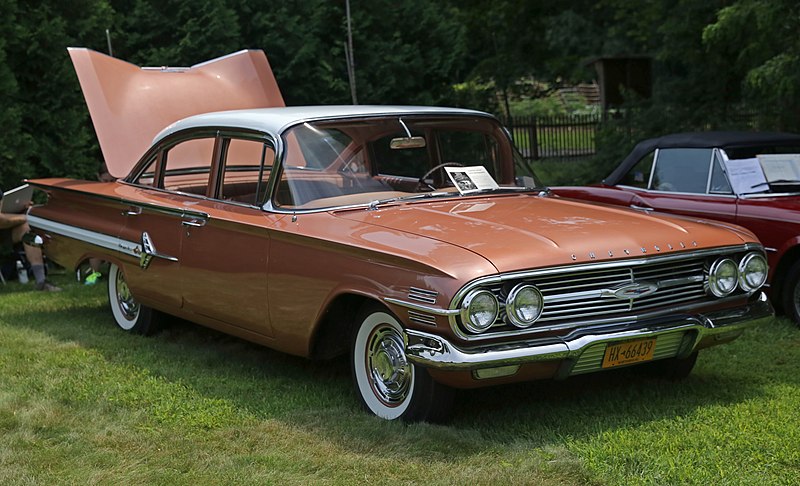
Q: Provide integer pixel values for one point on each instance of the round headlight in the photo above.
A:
(524, 305)
(722, 277)
(752, 272)
(479, 310)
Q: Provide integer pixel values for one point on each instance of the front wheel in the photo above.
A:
(129, 314)
(388, 384)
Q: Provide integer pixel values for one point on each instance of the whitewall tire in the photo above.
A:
(129, 314)
(388, 384)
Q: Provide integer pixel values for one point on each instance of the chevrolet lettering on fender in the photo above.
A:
(412, 240)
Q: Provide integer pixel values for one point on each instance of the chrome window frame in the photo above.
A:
(157, 151)
(708, 192)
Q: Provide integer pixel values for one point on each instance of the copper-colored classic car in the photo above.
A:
(750, 179)
(400, 236)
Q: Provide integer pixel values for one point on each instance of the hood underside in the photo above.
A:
(522, 232)
(129, 104)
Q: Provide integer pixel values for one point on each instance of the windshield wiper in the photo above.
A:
(777, 181)
(379, 202)
(542, 191)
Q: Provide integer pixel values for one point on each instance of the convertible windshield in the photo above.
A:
(362, 161)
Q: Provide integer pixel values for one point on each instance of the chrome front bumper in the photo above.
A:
(430, 350)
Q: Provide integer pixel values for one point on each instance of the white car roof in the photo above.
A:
(275, 120)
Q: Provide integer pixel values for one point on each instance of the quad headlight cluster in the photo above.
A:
(725, 275)
(480, 308)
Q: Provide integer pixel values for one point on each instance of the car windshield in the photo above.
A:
(380, 159)
(764, 170)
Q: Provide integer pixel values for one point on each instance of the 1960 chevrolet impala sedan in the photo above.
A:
(402, 237)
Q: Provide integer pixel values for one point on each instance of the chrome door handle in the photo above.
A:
(641, 208)
(195, 223)
(132, 211)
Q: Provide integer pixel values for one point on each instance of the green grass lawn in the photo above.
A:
(84, 403)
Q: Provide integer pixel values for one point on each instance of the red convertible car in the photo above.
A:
(750, 179)
(399, 236)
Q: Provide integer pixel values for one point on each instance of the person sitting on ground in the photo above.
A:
(12, 228)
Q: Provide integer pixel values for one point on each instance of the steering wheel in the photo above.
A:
(422, 180)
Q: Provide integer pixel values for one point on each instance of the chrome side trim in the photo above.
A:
(433, 351)
(187, 213)
(713, 194)
(149, 252)
(421, 308)
(92, 237)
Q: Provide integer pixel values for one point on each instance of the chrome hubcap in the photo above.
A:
(127, 304)
(389, 370)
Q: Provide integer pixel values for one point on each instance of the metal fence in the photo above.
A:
(554, 137)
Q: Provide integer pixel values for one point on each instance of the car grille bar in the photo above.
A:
(591, 293)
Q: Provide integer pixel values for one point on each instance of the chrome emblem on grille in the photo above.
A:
(635, 290)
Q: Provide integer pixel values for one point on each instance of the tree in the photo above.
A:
(13, 168)
(55, 136)
(760, 38)
(504, 42)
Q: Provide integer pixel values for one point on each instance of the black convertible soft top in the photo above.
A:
(724, 140)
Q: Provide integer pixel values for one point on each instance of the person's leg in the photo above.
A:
(94, 274)
(34, 256)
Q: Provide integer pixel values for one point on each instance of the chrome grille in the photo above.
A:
(605, 292)
(573, 296)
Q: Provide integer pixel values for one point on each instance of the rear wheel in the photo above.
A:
(791, 294)
(389, 385)
(129, 314)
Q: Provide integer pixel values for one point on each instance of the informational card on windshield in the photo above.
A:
(471, 179)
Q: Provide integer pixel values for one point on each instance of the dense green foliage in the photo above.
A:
(83, 403)
(711, 59)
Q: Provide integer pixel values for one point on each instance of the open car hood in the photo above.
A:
(129, 104)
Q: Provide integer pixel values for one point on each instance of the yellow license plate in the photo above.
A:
(629, 352)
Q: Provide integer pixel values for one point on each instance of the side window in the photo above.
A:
(188, 166)
(148, 176)
(682, 170)
(246, 171)
(639, 175)
(719, 183)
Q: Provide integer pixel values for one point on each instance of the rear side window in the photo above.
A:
(247, 166)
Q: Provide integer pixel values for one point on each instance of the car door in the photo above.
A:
(157, 203)
(224, 253)
(685, 181)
